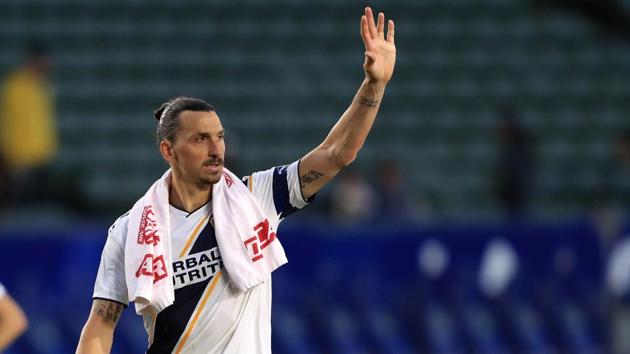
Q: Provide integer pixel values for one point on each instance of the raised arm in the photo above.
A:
(346, 138)
(98, 333)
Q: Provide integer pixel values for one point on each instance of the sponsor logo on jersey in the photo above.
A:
(196, 267)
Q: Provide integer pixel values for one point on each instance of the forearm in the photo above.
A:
(97, 335)
(9, 332)
(349, 133)
(13, 322)
(93, 343)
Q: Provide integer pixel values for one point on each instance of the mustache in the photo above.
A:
(214, 161)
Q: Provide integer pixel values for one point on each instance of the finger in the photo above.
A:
(380, 26)
(371, 24)
(365, 32)
(390, 31)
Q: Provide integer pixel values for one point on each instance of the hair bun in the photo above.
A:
(158, 113)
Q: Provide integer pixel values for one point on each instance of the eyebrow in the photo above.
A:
(207, 135)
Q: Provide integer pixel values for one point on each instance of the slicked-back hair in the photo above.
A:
(168, 115)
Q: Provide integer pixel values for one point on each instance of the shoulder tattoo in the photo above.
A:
(109, 310)
(310, 178)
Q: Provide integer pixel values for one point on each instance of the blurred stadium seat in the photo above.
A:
(298, 67)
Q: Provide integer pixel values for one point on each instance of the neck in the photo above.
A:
(187, 196)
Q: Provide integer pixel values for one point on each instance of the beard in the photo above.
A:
(202, 177)
(207, 179)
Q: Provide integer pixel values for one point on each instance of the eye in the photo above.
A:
(201, 138)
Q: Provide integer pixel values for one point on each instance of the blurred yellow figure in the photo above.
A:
(28, 134)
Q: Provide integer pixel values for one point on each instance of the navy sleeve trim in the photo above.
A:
(281, 197)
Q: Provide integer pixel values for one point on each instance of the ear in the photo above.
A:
(166, 149)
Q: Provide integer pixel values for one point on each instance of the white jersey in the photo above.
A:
(3, 291)
(208, 316)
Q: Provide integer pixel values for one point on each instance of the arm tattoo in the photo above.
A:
(368, 102)
(310, 178)
(110, 311)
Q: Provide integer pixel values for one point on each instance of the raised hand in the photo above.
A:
(380, 52)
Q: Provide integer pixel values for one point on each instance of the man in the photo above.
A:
(209, 314)
(13, 322)
(26, 105)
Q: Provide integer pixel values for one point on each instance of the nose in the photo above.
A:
(213, 147)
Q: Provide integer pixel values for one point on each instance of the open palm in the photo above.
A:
(380, 51)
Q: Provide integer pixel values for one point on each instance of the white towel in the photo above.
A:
(148, 267)
(246, 238)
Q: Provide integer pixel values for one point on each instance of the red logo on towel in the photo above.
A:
(228, 180)
(154, 267)
(148, 232)
(261, 241)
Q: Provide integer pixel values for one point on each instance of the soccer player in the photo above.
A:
(13, 322)
(208, 315)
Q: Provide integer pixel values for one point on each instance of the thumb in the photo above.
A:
(369, 58)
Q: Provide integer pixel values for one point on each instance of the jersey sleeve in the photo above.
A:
(110, 280)
(278, 189)
(3, 291)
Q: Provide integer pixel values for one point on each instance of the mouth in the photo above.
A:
(213, 166)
